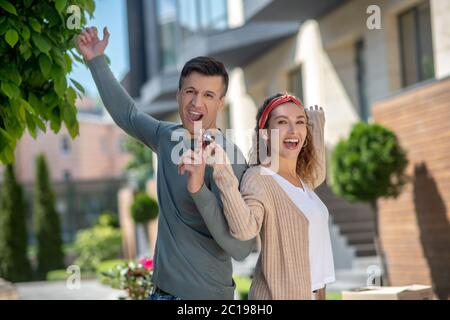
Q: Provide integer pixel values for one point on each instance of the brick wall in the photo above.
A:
(414, 228)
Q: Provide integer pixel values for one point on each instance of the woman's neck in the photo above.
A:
(287, 168)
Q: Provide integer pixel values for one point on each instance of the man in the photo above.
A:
(194, 246)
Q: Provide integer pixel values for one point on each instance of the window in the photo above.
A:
(179, 20)
(213, 14)
(65, 145)
(296, 83)
(167, 17)
(67, 175)
(188, 18)
(361, 79)
(416, 44)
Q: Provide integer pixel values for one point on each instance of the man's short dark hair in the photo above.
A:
(206, 66)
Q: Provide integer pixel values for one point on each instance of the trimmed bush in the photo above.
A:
(144, 208)
(46, 222)
(14, 264)
(369, 165)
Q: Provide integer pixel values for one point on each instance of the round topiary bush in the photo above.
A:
(144, 208)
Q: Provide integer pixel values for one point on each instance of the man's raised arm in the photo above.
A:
(119, 104)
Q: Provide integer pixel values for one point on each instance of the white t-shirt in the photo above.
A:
(320, 252)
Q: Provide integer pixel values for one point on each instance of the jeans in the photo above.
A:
(158, 296)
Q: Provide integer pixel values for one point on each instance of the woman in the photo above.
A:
(276, 201)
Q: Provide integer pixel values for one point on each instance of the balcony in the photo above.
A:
(287, 10)
(234, 47)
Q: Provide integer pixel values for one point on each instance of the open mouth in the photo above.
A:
(291, 144)
(195, 116)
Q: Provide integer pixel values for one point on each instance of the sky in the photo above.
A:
(112, 14)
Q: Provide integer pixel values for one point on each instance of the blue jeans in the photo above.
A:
(157, 296)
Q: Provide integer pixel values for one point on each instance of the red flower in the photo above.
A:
(147, 263)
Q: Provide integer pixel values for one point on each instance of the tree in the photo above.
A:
(368, 165)
(14, 264)
(140, 166)
(37, 53)
(46, 222)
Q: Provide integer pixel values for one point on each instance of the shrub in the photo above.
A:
(144, 208)
(95, 245)
(46, 222)
(108, 218)
(14, 264)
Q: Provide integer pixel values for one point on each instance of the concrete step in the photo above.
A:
(365, 250)
(351, 227)
(360, 238)
(351, 217)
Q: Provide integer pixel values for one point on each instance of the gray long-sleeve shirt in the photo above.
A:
(194, 245)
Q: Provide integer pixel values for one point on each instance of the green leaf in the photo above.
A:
(41, 43)
(3, 27)
(28, 3)
(28, 107)
(11, 72)
(11, 37)
(71, 95)
(40, 124)
(77, 57)
(37, 105)
(6, 135)
(55, 120)
(68, 62)
(45, 64)
(10, 89)
(31, 125)
(60, 5)
(77, 85)
(69, 114)
(19, 110)
(59, 80)
(35, 24)
(73, 129)
(8, 7)
(26, 33)
(25, 51)
(90, 5)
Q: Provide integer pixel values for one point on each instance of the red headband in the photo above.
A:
(275, 103)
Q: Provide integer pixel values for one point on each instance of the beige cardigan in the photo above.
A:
(262, 207)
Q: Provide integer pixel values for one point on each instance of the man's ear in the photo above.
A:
(221, 103)
(177, 96)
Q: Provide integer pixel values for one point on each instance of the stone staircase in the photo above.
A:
(354, 221)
